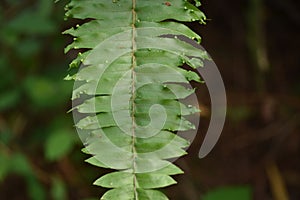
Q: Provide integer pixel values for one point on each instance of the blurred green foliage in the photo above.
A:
(35, 130)
(229, 193)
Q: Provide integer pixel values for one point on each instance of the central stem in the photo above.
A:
(133, 94)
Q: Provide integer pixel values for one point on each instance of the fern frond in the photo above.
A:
(133, 78)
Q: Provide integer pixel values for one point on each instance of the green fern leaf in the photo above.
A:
(132, 80)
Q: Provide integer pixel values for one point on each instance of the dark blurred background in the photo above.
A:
(256, 47)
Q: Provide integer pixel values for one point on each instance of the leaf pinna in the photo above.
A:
(129, 86)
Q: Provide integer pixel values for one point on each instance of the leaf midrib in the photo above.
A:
(133, 74)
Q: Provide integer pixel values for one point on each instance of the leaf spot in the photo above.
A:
(167, 3)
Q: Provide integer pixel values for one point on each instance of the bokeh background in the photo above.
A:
(255, 44)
